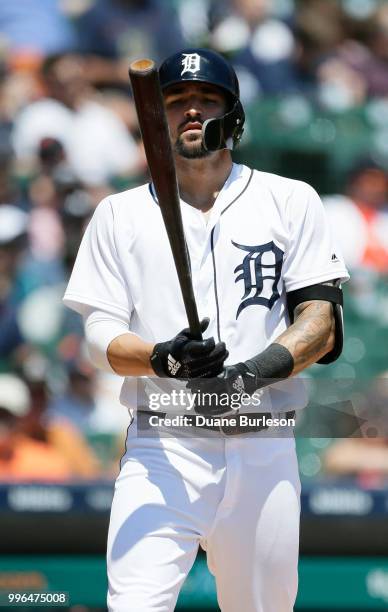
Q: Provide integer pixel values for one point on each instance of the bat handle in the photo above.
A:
(190, 304)
(194, 325)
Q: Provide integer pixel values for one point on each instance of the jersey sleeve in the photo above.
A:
(96, 279)
(311, 256)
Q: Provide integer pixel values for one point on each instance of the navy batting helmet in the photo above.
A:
(209, 67)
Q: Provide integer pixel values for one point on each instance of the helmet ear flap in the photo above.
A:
(224, 132)
(213, 134)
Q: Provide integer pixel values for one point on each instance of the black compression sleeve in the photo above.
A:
(275, 362)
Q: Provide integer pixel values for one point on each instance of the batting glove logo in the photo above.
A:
(239, 385)
(173, 365)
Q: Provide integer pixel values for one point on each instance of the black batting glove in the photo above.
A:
(231, 383)
(275, 363)
(237, 378)
(183, 357)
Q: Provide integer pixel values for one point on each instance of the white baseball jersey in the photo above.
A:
(265, 235)
(236, 496)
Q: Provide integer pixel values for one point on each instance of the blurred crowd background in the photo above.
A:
(314, 82)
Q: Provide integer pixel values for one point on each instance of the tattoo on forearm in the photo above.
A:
(308, 337)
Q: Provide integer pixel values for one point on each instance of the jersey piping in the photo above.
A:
(213, 255)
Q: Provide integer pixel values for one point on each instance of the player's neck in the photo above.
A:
(200, 180)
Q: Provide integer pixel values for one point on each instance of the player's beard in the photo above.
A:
(192, 150)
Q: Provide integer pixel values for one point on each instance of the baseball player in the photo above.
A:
(267, 282)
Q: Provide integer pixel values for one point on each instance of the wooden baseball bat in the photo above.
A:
(154, 130)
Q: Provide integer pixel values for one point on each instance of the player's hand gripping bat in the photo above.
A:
(154, 129)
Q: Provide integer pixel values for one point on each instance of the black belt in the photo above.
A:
(237, 425)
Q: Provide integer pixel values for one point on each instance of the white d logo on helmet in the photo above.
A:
(191, 62)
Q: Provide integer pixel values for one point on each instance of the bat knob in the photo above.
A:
(141, 66)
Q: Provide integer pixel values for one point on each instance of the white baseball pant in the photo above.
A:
(238, 497)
